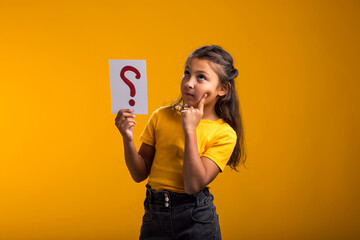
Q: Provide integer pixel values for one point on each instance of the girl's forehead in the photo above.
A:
(200, 63)
(203, 64)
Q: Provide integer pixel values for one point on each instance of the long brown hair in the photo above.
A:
(227, 107)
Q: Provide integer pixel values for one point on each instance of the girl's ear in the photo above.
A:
(224, 89)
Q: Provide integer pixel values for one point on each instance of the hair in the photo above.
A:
(227, 106)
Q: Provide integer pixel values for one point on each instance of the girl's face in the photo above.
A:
(199, 78)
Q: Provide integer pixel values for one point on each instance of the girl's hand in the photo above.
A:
(125, 122)
(191, 116)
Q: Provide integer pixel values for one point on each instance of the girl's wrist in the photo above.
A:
(127, 139)
(189, 132)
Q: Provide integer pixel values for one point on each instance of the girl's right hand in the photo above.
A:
(125, 122)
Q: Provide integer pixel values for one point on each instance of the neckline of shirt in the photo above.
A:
(220, 120)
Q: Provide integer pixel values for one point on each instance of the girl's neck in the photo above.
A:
(210, 114)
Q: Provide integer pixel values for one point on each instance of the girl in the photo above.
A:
(184, 147)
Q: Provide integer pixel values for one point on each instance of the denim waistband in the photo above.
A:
(177, 199)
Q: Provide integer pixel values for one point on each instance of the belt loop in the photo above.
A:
(201, 196)
(198, 197)
(148, 190)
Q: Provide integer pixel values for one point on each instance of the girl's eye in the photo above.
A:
(202, 77)
(187, 72)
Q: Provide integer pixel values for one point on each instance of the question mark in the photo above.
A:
(127, 82)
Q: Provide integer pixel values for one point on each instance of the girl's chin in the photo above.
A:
(191, 104)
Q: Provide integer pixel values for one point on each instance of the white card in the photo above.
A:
(128, 85)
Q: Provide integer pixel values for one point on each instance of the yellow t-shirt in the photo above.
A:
(216, 141)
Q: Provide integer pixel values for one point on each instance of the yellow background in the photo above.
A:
(62, 172)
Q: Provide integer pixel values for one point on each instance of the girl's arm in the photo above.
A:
(138, 163)
(197, 171)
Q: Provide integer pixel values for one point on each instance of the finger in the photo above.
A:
(126, 110)
(122, 112)
(130, 120)
(183, 113)
(126, 122)
(202, 103)
(132, 124)
(126, 125)
(126, 115)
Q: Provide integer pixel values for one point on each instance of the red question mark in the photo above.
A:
(127, 82)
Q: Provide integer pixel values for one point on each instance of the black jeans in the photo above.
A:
(171, 215)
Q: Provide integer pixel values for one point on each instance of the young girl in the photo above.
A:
(184, 147)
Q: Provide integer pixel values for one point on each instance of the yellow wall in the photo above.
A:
(62, 172)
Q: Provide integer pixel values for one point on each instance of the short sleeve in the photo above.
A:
(221, 147)
(148, 134)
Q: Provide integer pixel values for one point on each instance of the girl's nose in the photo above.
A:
(189, 84)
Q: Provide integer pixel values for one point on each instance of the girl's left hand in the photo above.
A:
(191, 116)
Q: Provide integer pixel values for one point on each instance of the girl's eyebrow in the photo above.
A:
(200, 71)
